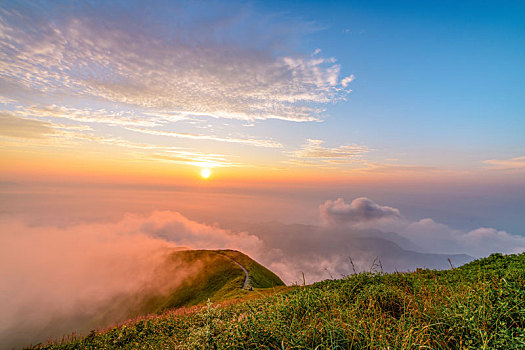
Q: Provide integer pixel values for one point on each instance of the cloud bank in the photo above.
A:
(54, 280)
(363, 213)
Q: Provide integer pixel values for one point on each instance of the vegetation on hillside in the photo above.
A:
(260, 276)
(480, 305)
(217, 278)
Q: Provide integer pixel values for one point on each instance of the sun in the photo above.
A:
(205, 173)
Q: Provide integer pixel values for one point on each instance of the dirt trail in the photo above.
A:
(247, 285)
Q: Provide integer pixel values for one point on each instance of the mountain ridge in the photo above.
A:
(186, 278)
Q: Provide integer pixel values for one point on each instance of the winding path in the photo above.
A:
(247, 285)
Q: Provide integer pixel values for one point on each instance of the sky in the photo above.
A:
(323, 128)
(355, 98)
(418, 105)
(263, 90)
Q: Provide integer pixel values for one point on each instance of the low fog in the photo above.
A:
(56, 280)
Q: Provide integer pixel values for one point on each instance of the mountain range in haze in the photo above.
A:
(324, 252)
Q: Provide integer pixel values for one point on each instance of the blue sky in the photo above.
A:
(437, 83)
(441, 76)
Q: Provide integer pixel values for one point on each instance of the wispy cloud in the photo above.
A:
(249, 141)
(128, 120)
(513, 165)
(155, 152)
(91, 115)
(202, 160)
(13, 126)
(313, 152)
(398, 168)
(130, 60)
(36, 135)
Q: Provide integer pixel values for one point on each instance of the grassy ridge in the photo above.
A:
(206, 275)
(217, 275)
(480, 305)
(260, 276)
(216, 278)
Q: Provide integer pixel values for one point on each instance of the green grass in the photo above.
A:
(260, 276)
(217, 278)
(480, 305)
(210, 275)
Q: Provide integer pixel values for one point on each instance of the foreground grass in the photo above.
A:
(480, 305)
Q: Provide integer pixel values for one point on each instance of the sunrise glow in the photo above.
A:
(205, 173)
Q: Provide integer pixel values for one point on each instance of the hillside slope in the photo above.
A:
(479, 305)
(186, 278)
(217, 278)
(191, 277)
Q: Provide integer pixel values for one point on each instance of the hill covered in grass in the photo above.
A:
(480, 305)
(181, 278)
(215, 275)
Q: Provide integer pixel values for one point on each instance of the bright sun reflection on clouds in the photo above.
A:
(205, 173)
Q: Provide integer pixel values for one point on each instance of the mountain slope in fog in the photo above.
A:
(220, 276)
(208, 274)
(185, 278)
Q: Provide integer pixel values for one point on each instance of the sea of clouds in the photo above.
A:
(54, 280)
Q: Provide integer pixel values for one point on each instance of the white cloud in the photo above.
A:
(360, 210)
(174, 227)
(90, 115)
(314, 149)
(134, 61)
(54, 281)
(129, 121)
(314, 153)
(346, 81)
(36, 135)
(248, 141)
(434, 237)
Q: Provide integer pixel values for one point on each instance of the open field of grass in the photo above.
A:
(480, 305)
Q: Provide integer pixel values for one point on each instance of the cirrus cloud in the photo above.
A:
(197, 68)
(13, 126)
(512, 165)
(314, 153)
